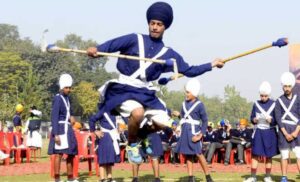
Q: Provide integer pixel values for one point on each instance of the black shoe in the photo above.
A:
(135, 180)
(192, 179)
(208, 163)
(226, 163)
(209, 180)
(156, 180)
(241, 162)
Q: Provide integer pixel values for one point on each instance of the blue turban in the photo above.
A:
(160, 11)
(175, 123)
(222, 122)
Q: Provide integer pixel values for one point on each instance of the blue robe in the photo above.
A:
(106, 152)
(117, 93)
(279, 112)
(185, 144)
(59, 113)
(264, 141)
(17, 120)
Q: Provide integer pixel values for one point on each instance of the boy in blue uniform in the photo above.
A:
(108, 150)
(287, 114)
(173, 141)
(244, 140)
(209, 138)
(264, 138)
(223, 136)
(132, 94)
(62, 139)
(17, 120)
(193, 127)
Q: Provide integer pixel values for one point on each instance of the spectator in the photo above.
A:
(17, 118)
(242, 138)
(32, 128)
(223, 136)
(173, 141)
(209, 138)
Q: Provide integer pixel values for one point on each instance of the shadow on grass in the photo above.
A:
(274, 177)
(149, 178)
(84, 176)
(186, 178)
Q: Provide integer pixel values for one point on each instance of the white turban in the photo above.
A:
(36, 112)
(265, 88)
(193, 86)
(288, 78)
(65, 80)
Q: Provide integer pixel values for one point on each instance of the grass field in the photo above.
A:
(147, 175)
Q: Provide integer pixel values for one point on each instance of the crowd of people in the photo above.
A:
(29, 132)
(273, 129)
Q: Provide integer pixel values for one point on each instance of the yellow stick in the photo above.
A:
(232, 58)
(247, 53)
(111, 55)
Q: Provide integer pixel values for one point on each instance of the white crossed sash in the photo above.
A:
(145, 64)
(288, 112)
(188, 119)
(113, 133)
(263, 116)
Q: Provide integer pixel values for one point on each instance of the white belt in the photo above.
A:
(193, 123)
(289, 122)
(124, 79)
(115, 137)
(64, 122)
(263, 126)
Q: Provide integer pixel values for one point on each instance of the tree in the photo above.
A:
(235, 106)
(13, 72)
(214, 107)
(9, 36)
(31, 93)
(86, 97)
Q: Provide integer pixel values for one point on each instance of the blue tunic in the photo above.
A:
(264, 141)
(155, 144)
(185, 144)
(59, 113)
(17, 120)
(279, 112)
(117, 93)
(106, 152)
(210, 137)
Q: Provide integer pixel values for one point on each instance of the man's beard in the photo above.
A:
(287, 93)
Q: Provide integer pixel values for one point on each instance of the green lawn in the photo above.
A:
(121, 175)
(145, 176)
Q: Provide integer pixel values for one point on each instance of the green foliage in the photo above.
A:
(235, 106)
(214, 107)
(30, 76)
(9, 37)
(31, 93)
(87, 98)
(13, 72)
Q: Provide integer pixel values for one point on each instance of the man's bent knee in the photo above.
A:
(137, 114)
